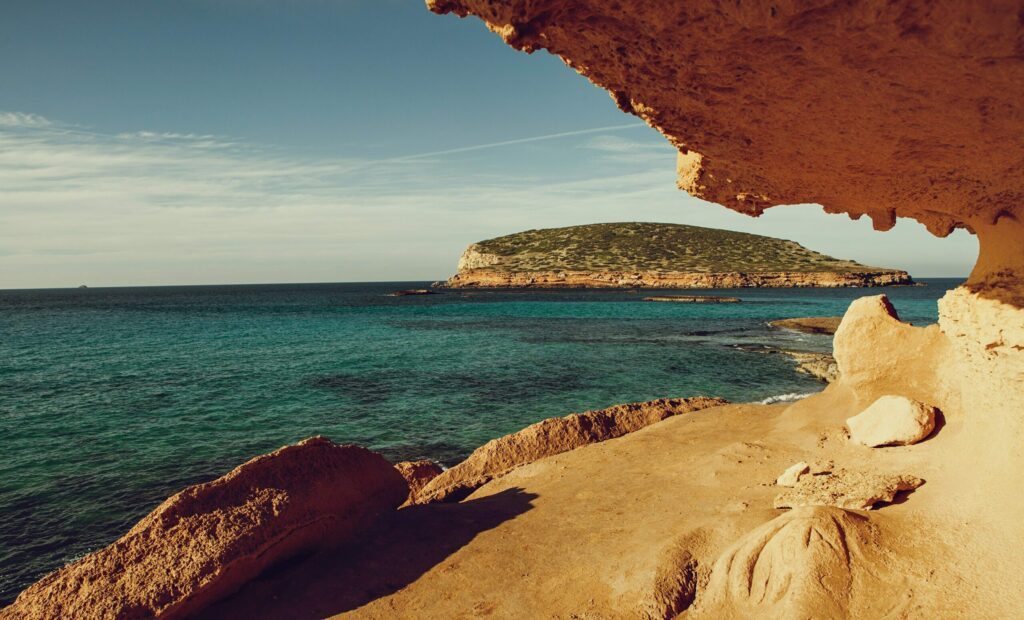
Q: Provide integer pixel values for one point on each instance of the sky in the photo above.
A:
(153, 142)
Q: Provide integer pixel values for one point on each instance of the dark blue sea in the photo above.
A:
(113, 399)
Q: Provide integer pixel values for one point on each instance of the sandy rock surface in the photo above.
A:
(892, 421)
(549, 437)
(846, 489)
(210, 539)
(802, 564)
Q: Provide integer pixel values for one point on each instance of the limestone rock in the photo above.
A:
(725, 81)
(846, 489)
(878, 354)
(418, 473)
(210, 539)
(892, 421)
(791, 476)
(553, 436)
(802, 564)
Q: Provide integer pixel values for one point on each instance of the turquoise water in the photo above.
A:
(113, 399)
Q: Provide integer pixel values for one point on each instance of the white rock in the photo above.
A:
(791, 476)
(892, 421)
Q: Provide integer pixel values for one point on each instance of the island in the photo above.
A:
(651, 255)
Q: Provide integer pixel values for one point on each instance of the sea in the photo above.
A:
(112, 399)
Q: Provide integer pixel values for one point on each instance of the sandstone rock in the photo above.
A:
(846, 489)
(208, 540)
(801, 564)
(418, 473)
(792, 475)
(725, 81)
(892, 421)
(877, 354)
(553, 436)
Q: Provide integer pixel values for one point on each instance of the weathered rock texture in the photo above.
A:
(418, 473)
(489, 278)
(208, 540)
(892, 421)
(845, 489)
(802, 564)
(552, 436)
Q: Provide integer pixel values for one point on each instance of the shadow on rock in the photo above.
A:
(397, 553)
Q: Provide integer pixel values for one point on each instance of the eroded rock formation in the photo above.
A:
(802, 564)
(853, 490)
(208, 540)
(418, 474)
(550, 437)
(885, 109)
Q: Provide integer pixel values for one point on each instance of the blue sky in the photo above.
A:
(216, 141)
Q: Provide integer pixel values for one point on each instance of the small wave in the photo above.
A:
(787, 398)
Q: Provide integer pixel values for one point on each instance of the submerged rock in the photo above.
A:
(819, 365)
(846, 489)
(208, 540)
(810, 325)
(553, 436)
(892, 421)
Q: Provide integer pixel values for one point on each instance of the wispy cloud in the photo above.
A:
(177, 199)
(20, 119)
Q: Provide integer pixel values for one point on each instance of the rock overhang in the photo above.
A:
(885, 109)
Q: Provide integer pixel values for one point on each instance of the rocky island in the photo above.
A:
(649, 255)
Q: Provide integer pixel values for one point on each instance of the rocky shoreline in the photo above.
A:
(489, 278)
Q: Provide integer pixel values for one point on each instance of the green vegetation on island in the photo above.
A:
(630, 246)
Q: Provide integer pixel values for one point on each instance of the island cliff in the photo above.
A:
(646, 255)
(889, 109)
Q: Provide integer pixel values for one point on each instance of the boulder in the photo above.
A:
(791, 476)
(892, 421)
(208, 540)
(418, 473)
(553, 436)
(846, 489)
